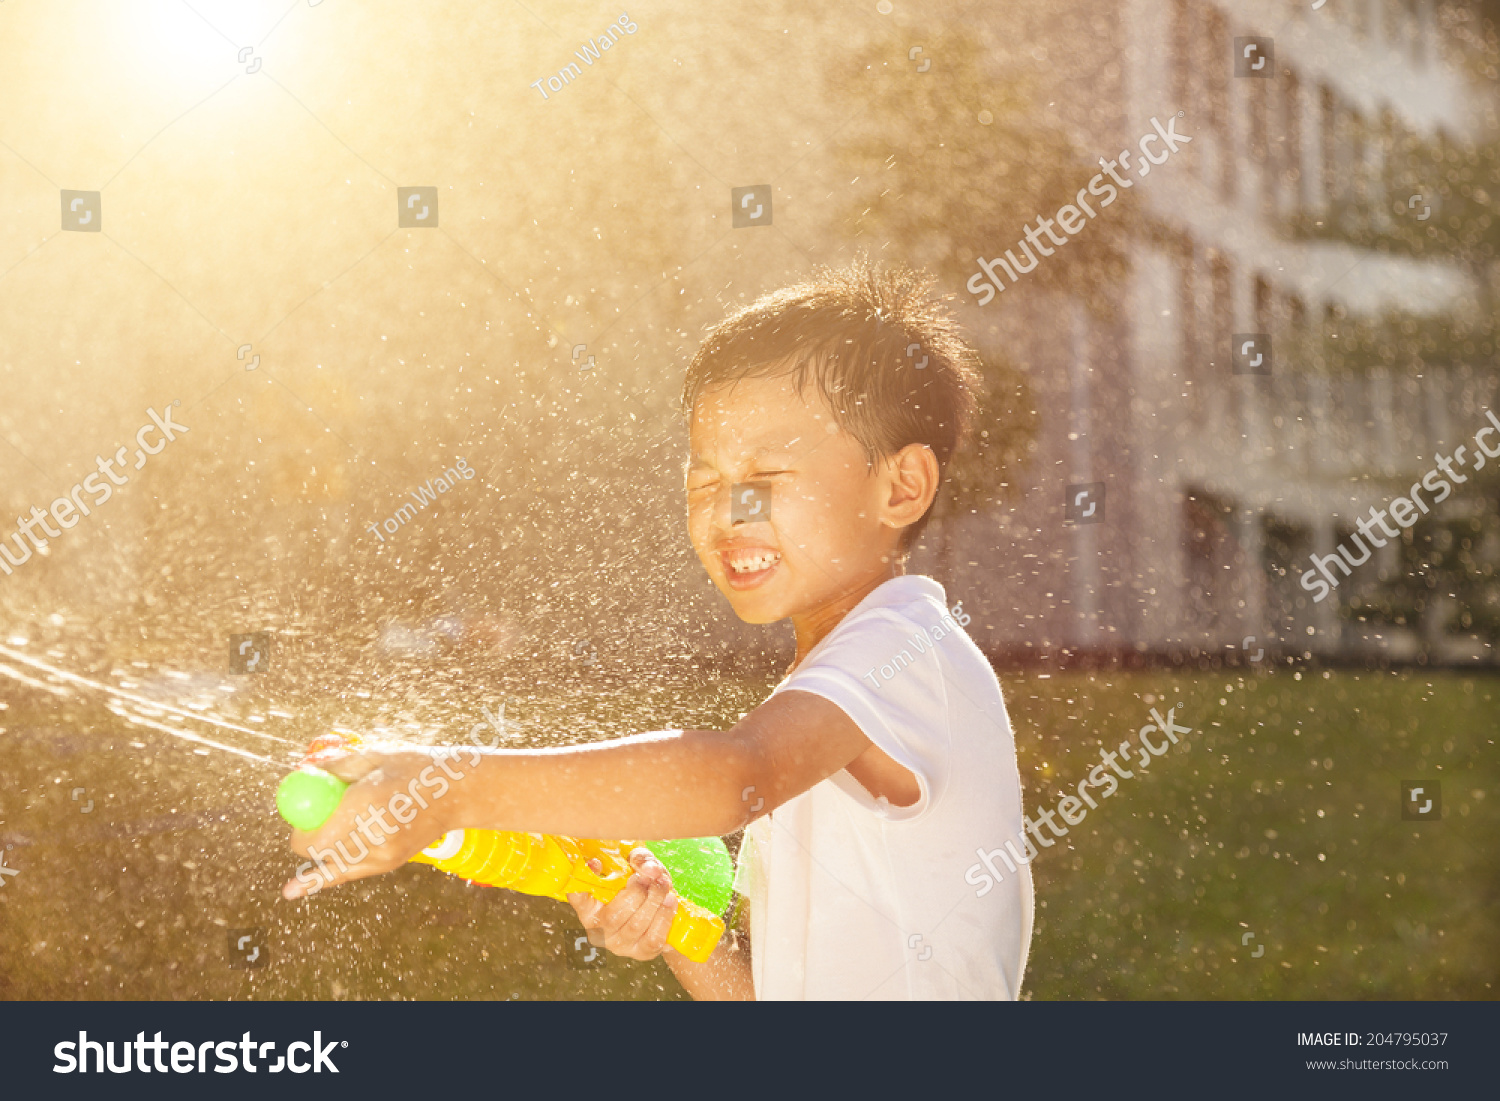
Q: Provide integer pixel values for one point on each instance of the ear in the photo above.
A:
(911, 477)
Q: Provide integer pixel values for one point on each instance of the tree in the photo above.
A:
(947, 161)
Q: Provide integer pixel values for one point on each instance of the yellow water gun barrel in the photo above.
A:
(554, 867)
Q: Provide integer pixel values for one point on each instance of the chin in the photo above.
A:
(755, 606)
(754, 609)
(759, 616)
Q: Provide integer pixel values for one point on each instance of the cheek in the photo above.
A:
(816, 519)
(850, 501)
(699, 524)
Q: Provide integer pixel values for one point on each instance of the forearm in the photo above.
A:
(724, 977)
(658, 786)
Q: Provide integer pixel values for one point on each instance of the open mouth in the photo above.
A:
(747, 567)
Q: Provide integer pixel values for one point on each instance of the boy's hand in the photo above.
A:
(635, 923)
(367, 820)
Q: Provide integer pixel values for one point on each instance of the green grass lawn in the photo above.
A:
(1278, 816)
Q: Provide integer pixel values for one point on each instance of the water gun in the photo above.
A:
(539, 864)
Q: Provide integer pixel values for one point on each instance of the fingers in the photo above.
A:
(635, 923)
(633, 931)
(348, 766)
(314, 877)
(588, 908)
(360, 839)
(337, 861)
(355, 842)
(370, 788)
(655, 936)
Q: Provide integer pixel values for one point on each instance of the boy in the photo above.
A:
(822, 418)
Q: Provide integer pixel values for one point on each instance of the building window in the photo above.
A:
(1295, 344)
(1328, 112)
(1215, 38)
(1223, 297)
(1290, 160)
(1359, 12)
(1403, 27)
(1289, 608)
(1333, 344)
(1265, 320)
(1184, 64)
(1260, 110)
(1209, 558)
(1187, 308)
(1359, 167)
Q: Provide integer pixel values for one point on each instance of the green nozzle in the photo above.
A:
(307, 797)
(700, 868)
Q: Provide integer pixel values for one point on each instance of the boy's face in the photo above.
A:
(821, 537)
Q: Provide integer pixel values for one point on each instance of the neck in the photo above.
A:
(812, 627)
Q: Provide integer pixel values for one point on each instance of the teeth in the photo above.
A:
(754, 563)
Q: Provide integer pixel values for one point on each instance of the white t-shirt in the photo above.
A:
(851, 898)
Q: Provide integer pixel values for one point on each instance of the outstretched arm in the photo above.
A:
(683, 783)
(689, 783)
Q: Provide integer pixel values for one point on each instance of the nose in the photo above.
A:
(749, 503)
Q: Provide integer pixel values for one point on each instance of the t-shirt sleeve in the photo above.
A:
(886, 673)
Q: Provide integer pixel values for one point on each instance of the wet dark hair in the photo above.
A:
(890, 360)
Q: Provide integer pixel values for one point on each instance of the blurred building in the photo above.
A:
(1219, 486)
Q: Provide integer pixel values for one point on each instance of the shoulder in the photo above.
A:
(899, 606)
(900, 621)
